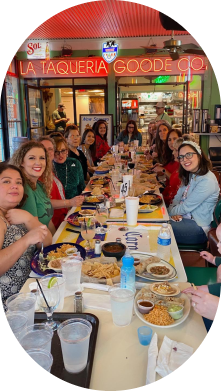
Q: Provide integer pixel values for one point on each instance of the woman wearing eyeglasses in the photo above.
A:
(68, 170)
(192, 208)
(130, 133)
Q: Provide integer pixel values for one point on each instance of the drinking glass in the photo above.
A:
(124, 209)
(48, 300)
(24, 302)
(101, 216)
(88, 232)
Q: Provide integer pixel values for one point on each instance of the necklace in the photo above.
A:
(66, 173)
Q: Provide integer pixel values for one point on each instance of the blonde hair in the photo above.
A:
(180, 140)
(18, 158)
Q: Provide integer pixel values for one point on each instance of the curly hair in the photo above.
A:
(160, 145)
(6, 166)
(18, 158)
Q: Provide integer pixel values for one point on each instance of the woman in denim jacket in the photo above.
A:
(192, 208)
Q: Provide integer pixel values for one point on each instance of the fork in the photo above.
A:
(41, 254)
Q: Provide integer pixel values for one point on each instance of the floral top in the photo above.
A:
(12, 281)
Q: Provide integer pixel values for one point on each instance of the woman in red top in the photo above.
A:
(168, 165)
(102, 146)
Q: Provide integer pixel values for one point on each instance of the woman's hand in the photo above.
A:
(203, 302)
(76, 201)
(176, 218)
(208, 257)
(36, 235)
(154, 154)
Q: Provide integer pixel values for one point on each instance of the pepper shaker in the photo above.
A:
(78, 303)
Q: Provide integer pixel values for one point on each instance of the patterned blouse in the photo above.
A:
(12, 281)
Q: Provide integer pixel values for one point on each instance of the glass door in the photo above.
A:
(34, 106)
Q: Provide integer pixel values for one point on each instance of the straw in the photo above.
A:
(112, 183)
(43, 294)
(85, 225)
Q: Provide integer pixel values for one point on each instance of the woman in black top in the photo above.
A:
(73, 139)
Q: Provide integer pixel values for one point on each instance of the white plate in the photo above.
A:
(177, 322)
(54, 268)
(168, 266)
(164, 294)
(150, 277)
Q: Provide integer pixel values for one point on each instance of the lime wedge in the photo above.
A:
(88, 222)
(52, 282)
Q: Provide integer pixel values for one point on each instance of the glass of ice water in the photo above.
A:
(74, 335)
(71, 270)
(48, 298)
(24, 302)
(122, 300)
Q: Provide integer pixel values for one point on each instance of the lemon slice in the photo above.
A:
(52, 282)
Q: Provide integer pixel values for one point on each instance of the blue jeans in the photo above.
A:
(188, 232)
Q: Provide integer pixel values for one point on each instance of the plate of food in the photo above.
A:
(102, 171)
(94, 199)
(153, 268)
(87, 212)
(102, 272)
(153, 199)
(145, 208)
(99, 181)
(164, 289)
(52, 253)
(73, 219)
(160, 315)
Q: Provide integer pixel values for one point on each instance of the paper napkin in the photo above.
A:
(171, 356)
(152, 360)
(116, 213)
(96, 301)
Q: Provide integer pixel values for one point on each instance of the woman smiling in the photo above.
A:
(35, 163)
(193, 206)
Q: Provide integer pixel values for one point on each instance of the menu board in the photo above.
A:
(88, 120)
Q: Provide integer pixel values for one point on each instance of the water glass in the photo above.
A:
(37, 336)
(122, 300)
(144, 335)
(18, 322)
(71, 270)
(24, 302)
(61, 286)
(48, 298)
(74, 335)
(42, 358)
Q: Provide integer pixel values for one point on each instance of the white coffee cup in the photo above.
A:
(132, 204)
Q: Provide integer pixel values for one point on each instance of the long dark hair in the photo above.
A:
(93, 146)
(160, 145)
(96, 128)
(168, 155)
(204, 165)
(135, 132)
(6, 166)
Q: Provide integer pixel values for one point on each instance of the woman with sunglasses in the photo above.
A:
(130, 133)
(192, 208)
(68, 170)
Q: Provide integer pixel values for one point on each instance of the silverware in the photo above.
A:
(72, 230)
(41, 254)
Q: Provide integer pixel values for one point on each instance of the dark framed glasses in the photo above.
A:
(188, 156)
(62, 152)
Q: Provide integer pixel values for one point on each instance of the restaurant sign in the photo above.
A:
(97, 67)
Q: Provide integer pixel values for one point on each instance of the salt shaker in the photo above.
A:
(78, 303)
(97, 247)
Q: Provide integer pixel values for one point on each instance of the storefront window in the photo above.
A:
(13, 110)
(90, 101)
(35, 108)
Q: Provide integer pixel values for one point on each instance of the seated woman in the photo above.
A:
(68, 170)
(59, 203)
(174, 181)
(88, 147)
(33, 160)
(170, 164)
(102, 146)
(20, 232)
(160, 142)
(73, 138)
(192, 208)
(130, 133)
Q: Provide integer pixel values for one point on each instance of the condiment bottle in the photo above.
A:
(78, 303)
(97, 247)
(127, 273)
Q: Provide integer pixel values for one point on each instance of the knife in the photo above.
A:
(72, 230)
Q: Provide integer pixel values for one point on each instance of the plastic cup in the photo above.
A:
(24, 302)
(144, 335)
(61, 285)
(18, 322)
(121, 305)
(132, 204)
(37, 336)
(136, 143)
(115, 148)
(41, 357)
(74, 335)
(71, 270)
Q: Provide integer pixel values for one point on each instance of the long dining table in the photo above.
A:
(120, 361)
